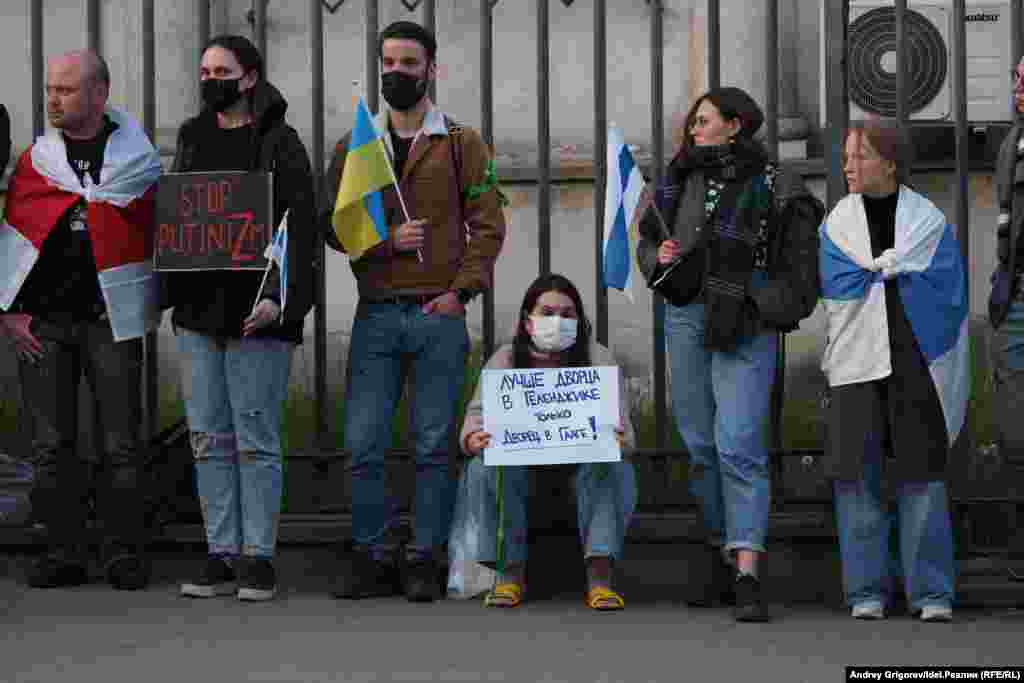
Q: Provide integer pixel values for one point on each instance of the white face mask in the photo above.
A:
(553, 333)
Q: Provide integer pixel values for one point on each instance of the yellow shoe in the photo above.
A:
(604, 599)
(504, 595)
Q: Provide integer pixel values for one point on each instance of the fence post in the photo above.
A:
(316, 55)
(487, 131)
(837, 101)
(661, 419)
(543, 136)
(600, 161)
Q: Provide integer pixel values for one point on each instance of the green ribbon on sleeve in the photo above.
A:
(490, 182)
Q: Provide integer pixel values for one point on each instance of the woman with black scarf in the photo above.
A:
(731, 242)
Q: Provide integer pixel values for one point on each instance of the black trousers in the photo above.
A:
(63, 476)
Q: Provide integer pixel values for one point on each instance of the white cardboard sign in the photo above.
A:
(549, 416)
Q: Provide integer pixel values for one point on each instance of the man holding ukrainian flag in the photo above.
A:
(413, 200)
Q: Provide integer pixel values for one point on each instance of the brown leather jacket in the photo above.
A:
(463, 238)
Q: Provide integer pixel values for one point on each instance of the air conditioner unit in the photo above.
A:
(871, 59)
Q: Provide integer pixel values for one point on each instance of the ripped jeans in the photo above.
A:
(234, 393)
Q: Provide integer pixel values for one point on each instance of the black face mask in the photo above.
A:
(219, 94)
(402, 91)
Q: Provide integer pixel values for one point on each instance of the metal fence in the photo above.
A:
(835, 25)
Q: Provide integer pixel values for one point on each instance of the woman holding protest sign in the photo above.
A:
(731, 242)
(237, 328)
(553, 332)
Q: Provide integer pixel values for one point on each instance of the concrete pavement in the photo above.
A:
(96, 634)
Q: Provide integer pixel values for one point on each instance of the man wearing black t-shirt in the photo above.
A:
(78, 294)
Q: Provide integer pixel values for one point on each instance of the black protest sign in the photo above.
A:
(217, 220)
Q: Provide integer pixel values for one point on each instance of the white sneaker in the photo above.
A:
(868, 610)
(936, 613)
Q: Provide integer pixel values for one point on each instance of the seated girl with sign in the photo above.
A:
(553, 332)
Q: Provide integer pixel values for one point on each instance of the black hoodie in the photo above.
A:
(216, 302)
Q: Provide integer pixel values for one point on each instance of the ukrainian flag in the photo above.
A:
(359, 210)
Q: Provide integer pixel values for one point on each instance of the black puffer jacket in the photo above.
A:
(209, 302)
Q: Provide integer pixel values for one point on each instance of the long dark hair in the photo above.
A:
(578, 354)
(248, 56)
(732, 104)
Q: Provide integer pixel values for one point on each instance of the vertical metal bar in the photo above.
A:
(1016, 43)
(92, 25)
(771, 108)
(38, 76)
(203, 18)
(316, 56)
(148, 69)
(543, 136)
(771, 64)
(92, 41)
(600, 160)
(714, 48)
(1016, 31)
(661, 422)
(260, 28)
(203, 31)
(962, 199)
(487, 130)
(901, 61)
(150, 346)
(430, 20)
(836, 105)
(372, 58)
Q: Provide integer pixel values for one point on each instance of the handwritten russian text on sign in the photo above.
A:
(551, 416)
(218, 220)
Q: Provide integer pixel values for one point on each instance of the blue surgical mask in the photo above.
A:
(553, 333)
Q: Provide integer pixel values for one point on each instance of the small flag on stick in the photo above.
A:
(623, 194)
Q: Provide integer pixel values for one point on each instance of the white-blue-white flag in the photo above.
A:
(623, 195)
(277, 252)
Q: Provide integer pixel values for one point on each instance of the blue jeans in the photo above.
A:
(387, 339)
(721, 405)
(925, 539)
(604, 507)
(234, 396)
(1008, 382)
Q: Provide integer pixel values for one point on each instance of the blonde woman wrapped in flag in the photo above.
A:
(895, 293)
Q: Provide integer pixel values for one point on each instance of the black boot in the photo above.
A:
(720, 587)
(58, 568)
(120, 491)
(421, 579)
(127, 566)
(749, 600)
(361, 576)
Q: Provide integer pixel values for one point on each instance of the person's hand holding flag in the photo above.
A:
(267, 311)
(359, 208)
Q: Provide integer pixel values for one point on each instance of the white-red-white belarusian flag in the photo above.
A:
(119, 217)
